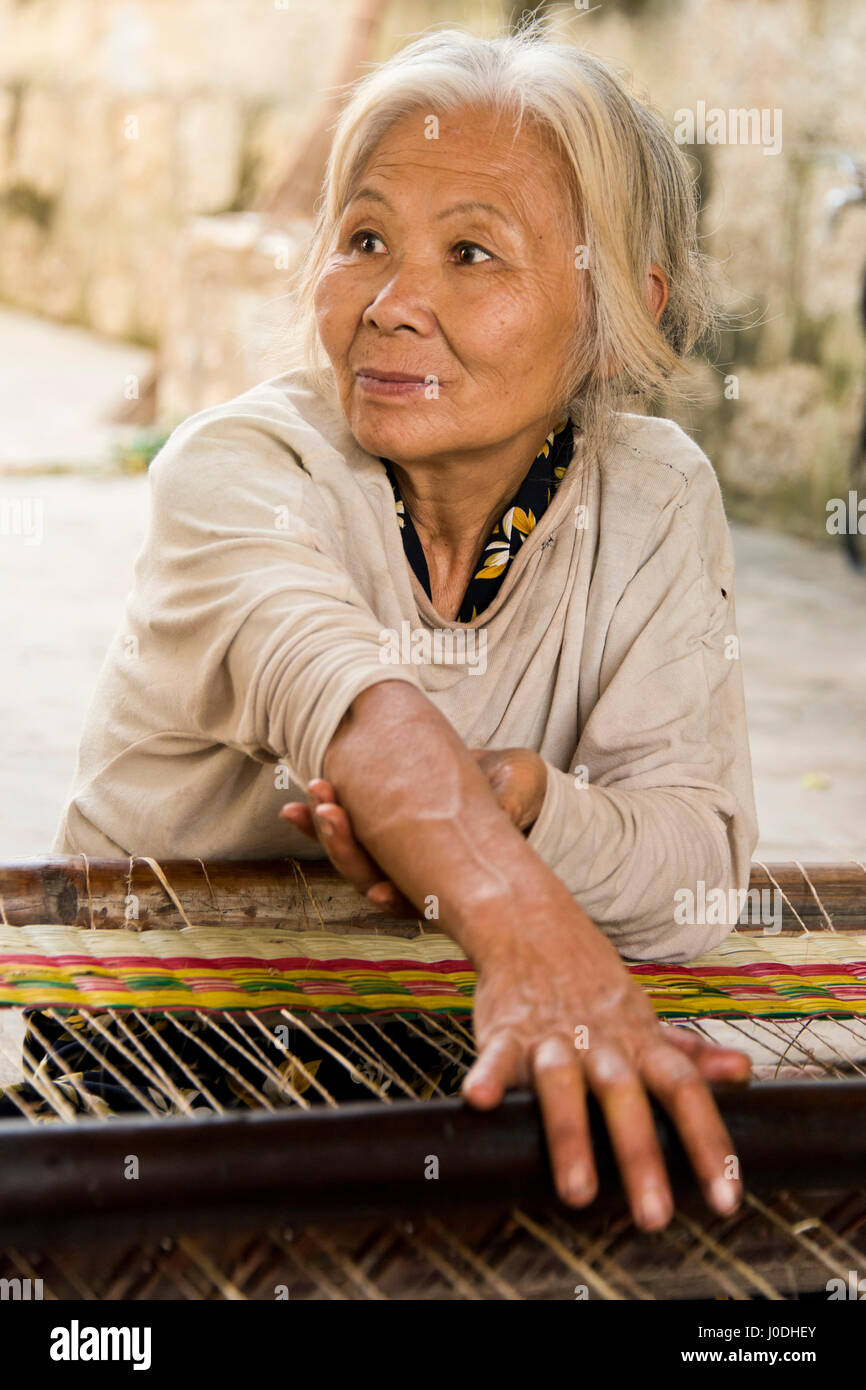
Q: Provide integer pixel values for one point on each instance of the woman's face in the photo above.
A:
(453, 270)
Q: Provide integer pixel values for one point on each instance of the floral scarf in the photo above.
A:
(520, 518)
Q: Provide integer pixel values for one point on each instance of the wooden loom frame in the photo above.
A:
(349, 1175)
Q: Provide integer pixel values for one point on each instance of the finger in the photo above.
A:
(561, 1093)
(488, 759)
(714, 1063)
(684, 1093)
(501, 781)
(388, 897)
(509, 782)
(319, 790)
(723, 1064)
(333, 828)
(351, 860)
(300, 816)
(629, 1119)
(497, 1067)
(347, 856)
(508, 797)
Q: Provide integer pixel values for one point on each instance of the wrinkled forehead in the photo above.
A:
(468, 153)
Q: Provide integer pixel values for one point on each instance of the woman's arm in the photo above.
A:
(255, 637)
(555, 1006)
(424, 810)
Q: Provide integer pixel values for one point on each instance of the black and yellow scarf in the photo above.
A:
(520, 517)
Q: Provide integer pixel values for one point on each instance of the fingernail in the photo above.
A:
(578, 1186)
(324, 825)
(654, 1209)
(481, 1093)
(724, 1196)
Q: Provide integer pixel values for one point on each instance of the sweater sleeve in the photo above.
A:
(659, 793)
(264, 638)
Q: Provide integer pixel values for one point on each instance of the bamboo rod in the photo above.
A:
(369, 1159)
(308, 894)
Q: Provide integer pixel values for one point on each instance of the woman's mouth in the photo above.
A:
(382, 384)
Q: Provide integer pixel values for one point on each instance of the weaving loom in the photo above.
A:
(230, 1019)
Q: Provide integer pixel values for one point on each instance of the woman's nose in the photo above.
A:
(405, 302)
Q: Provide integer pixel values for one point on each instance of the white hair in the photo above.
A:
(631, 191)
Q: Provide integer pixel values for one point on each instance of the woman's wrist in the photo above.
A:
(532, 903)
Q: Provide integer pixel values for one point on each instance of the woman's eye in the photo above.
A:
(468, 249)
(362, 240)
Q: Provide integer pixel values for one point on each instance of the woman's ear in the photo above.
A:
(656, 291)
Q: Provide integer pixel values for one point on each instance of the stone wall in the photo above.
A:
(121, 119)
(796, 345)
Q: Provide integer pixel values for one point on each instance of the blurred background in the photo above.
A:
(159, 164)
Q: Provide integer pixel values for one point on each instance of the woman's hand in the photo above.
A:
(517, 777)
(556, 1009)
(325, 820)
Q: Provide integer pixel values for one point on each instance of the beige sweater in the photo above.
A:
(272, 588)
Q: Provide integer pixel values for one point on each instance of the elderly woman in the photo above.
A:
(505, 256)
